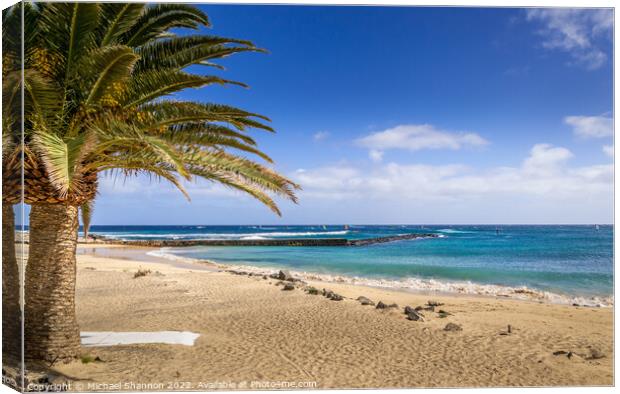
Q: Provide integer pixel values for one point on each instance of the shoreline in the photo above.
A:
(412, 285)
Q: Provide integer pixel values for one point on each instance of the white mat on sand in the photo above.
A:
(111, 338)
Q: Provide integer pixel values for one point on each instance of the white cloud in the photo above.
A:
(591, 126)
(546, 159)
(544, 173)
(608, 150)
(417, 137)
(320, 135)
(574, 31)
(375, 155)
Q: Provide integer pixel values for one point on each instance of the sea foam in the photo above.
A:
(413, 284)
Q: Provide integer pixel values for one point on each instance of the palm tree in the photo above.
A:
(98, 80)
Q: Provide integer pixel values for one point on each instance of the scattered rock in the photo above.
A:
(289, 286)
(595, 354)
(312, 290)
(365, 301)
(414, 315)
(285, 275)
(418, 308)
(141, 273)
(569, 354)
(381, 305)
(265, 277)
(560, 352)
(336, 297)
(434, 303)
(279, 283)
(409, 309)
(452, 327)
(274, 276)
(430, 308)
(331, 295)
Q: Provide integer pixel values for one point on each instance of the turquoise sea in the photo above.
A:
(567, 261)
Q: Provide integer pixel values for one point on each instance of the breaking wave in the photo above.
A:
(414, 284)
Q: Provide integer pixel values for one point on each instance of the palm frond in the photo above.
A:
(167, 113)
(134, 164)
(180, 52)
(117, 19)
(160, 18)
(62, 159)
(104, 70)
(154, 84)
(67, 29)
(204, 162)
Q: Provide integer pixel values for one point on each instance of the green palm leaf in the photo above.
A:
(103, 68)
(62, 159)
(117, 19)
(180, 52)
(98, 82)
(154, 84)
(161, 18)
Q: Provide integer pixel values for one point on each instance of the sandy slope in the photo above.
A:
(251, 330)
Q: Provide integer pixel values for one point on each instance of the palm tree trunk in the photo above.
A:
(11, 311)
(51, 330)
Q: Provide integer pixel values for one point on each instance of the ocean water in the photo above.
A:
(557, 262)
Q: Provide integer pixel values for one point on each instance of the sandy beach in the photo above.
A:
(253, 334)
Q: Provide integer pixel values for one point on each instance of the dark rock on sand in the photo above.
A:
(560, 352)
(414, 316)
(312, 290)
(331, 295)
(452, 327)
(434, 303)
(382, 305)
(409, 309)
(285, 275)
(289, 286)
(365, 301)
(595, 354)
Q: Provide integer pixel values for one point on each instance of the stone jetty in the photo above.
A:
(262, 242)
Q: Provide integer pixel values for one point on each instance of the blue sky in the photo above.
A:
(410, 115)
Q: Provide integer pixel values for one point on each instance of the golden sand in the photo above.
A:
(255, 335)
